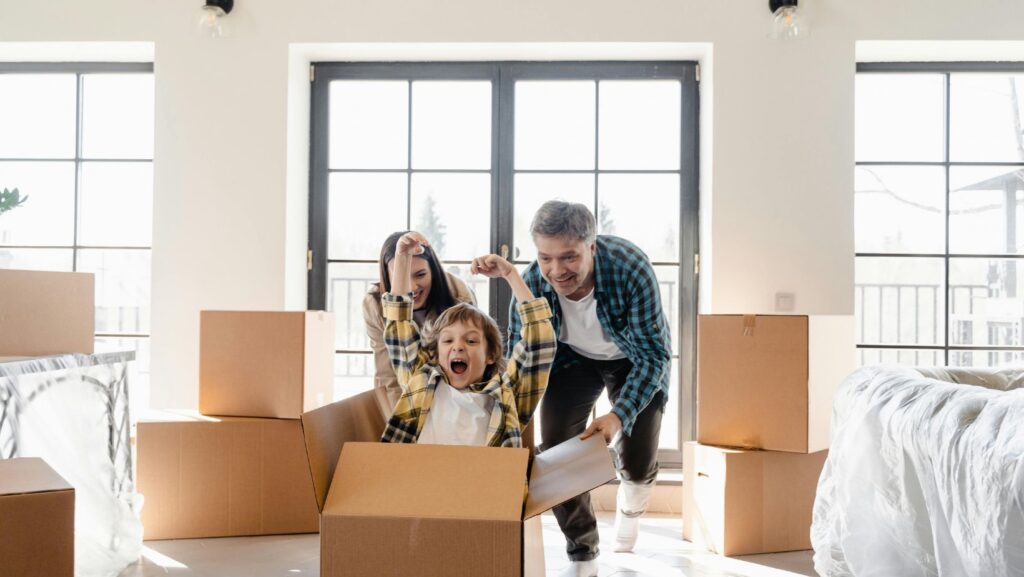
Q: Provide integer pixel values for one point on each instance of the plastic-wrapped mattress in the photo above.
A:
(72, 411)
(925, 475)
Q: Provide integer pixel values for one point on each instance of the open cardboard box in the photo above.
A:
(431, 510)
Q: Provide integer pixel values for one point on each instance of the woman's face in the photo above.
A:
(419, 278)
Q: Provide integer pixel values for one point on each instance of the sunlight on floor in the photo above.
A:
(161, 560)
(660, 552)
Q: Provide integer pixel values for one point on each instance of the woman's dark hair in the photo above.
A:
(440, 297)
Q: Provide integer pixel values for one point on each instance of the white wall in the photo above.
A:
(230, 156)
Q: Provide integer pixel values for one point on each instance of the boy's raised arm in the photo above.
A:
(529, 364)
(493, 266)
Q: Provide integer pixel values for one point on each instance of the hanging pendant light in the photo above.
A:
(787, 20)
(211, 23)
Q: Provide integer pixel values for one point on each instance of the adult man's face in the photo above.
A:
(566, 263)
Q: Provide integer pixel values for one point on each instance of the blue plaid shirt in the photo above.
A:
(629, 308)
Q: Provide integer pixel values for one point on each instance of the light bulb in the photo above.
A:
(211, 22)
(787, 23)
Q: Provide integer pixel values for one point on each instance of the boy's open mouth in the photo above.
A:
(458, 366)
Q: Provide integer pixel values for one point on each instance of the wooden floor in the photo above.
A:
(661, 552)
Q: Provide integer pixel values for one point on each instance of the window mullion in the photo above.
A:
(78, 166)
(503, 187)
(597, 152)
(946, 259)
(408, 161)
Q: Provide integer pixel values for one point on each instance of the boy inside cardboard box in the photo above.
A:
(455, 504)
(430, 510)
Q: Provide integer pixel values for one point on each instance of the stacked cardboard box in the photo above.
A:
(41, 314)
(765, 386)
(238, 467)
(46, 313)
(265, 364)
(37, 520)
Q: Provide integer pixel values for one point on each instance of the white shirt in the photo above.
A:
(582, 330)
(457, 417)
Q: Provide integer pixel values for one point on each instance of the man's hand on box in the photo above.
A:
(607, 425)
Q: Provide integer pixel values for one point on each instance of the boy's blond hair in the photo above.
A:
(470, 315)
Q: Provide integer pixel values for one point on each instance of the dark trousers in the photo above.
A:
(568, 403)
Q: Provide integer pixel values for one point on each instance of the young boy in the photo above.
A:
(457, 389)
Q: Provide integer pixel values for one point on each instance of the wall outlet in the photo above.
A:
(785, 302)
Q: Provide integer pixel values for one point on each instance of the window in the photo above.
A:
(77, 140)
(939, 188)
(466, 153)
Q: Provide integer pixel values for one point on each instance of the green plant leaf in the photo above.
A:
(11, 199)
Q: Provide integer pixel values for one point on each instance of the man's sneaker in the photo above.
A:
(580, 569)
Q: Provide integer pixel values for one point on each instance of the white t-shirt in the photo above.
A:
(457, 417)
(582, 330)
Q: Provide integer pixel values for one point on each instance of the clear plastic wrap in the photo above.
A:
(72, 411)
(925, 476)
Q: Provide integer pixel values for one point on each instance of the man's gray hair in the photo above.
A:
(557, 218)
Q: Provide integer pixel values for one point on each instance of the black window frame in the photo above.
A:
(947, 69)
(503, 75)
(80, 69)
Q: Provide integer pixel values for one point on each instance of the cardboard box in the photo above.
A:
(431, 510)
(222, 477)
(738, 502)
(768, 382)
(37, 520)
(265, 364)
(46, 313)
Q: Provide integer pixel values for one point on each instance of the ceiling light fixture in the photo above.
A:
(787, 20)
(211, 18)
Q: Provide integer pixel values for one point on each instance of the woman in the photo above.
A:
(434, 291)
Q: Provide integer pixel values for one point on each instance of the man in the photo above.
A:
(612, 335)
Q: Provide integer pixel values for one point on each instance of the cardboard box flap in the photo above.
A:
(176, 416)
(29, 475)
(328, 428)
(429, 481)
(566, 470)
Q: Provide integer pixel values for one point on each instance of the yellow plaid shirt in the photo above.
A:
(516, 392)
